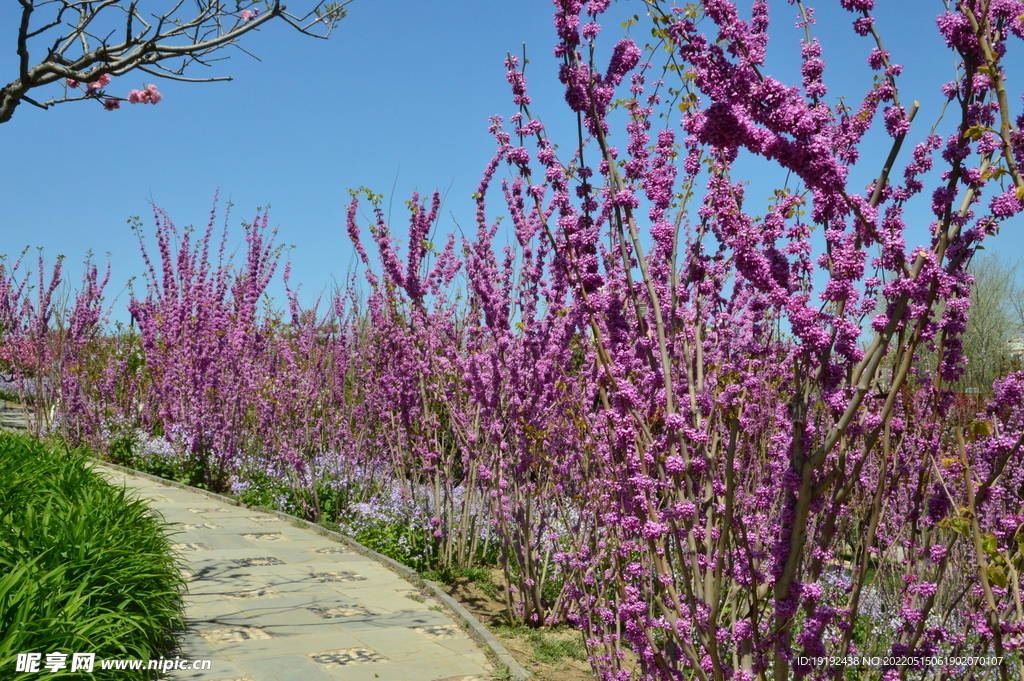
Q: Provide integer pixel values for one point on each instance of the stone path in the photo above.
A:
(11, 415)
(271, 602)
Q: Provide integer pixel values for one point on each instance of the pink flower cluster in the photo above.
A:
(148, 95)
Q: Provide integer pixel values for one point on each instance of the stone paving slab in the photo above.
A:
(268, 601)
(12, 415)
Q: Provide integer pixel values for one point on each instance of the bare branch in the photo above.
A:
(26, 16)
(170, 75)
(34, 102)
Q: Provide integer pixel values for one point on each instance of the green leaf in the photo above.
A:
(979, 429)
(974, 132)
(956, 525)
(989, 544)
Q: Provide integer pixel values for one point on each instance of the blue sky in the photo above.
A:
(397, 100)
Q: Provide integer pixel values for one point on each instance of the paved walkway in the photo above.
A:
(11, 415)
(270, 602)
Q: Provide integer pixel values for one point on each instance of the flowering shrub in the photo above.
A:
(46, 353)
(202, 338)
(734, 465)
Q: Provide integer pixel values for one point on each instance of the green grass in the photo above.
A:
(549, 650)
(478, 576)
(83, 569)
(548, 646)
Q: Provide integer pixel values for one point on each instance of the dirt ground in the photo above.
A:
(549, 655)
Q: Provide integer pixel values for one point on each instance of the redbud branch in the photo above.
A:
(615, 186)
(995, 74)
(885, 61)
(883, 177)
(993, 613)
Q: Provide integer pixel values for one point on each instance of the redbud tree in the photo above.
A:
(82, 45)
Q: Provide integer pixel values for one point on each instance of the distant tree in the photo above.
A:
(1017, 306)
(996, 319)
(92, 41)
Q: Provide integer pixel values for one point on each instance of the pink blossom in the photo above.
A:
(150, 95)
(100, 83)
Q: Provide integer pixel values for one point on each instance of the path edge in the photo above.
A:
(512, 669)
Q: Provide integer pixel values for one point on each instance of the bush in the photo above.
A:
(84, 567)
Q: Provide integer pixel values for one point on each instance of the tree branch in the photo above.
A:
(211, 28)
(170, 75)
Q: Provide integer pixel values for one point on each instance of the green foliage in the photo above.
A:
(336, 498)
(84, 567)
(121, 450)
(478, 576)
(265, 491)
(127, 445)
(551, 588)
(410, 546)
(448, 575)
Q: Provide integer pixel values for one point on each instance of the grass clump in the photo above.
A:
(477, 576)
(84, 570)
(549, 646)
(550, 650)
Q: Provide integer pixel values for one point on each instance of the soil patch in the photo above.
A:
(550, 655)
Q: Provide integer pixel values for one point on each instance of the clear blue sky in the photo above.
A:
(397, 100)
